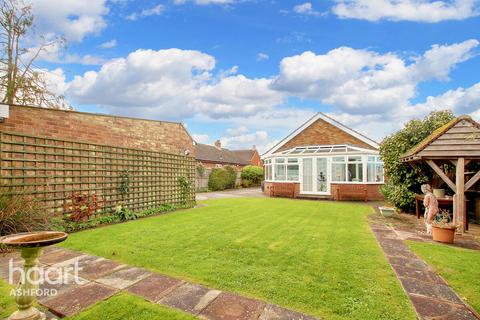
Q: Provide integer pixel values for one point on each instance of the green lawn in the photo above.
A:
(7, 304)
(124, 306)
(460, 267)
(316, 257)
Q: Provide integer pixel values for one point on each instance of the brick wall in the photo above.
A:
(102, 129)
(323, 133)
(339, 191)
(282, 189)
(256, 161)
(363, 192)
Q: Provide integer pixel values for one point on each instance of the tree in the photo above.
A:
(20, 82)
(403, 180)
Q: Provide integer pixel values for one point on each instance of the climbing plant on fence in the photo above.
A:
(54, 170)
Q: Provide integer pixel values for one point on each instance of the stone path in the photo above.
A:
(430, 295)
(233, 193)
(102, 278)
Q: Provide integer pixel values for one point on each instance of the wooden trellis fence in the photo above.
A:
(53, 170)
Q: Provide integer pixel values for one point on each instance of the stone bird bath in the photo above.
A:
(30, 245)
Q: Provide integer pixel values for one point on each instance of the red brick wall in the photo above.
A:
(94, 128)
(323, 133)
(256, 161)
(282, 189)
(365, 192)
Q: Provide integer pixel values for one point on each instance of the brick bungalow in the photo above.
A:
(215, 156)
(324, 159)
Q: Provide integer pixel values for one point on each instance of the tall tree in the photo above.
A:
(20, 82)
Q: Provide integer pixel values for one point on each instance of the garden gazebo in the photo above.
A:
(457, 142)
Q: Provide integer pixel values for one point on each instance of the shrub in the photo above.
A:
(232, 177)
(218, 179)
(185, 188)
(81, 207)
(403, 180)
(201, 170)
(22, 213)
(253, 175)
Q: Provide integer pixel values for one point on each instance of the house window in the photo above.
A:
(355, 169)
(339, 169)
(268, 170)
(280, 169)
(292, 169)
(374, 169)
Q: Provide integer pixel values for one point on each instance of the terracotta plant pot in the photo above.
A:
(444, 235)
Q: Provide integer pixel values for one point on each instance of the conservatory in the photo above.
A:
(338, 171)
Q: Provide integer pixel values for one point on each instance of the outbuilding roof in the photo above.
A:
(205, 152)
(458, 138)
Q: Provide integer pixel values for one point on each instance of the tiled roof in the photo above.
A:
(205, 152)
(434, 136)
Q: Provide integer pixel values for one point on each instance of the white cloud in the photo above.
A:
(365, 82)
(262, 56)
(108, 44)
(75, 19)
(440, 59)
(153, 11)
(246, 140)
(55, 53)
(237, 131)
(406, 10)
(306, 8)
(172, 83)
(370, 91)
(200, 138)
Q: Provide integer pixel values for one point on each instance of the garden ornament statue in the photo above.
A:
(30, 245)
(431, 206)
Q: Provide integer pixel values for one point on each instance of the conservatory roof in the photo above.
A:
(325, 149)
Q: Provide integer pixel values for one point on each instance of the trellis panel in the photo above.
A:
(53, 169)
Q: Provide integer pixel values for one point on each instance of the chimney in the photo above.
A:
(218, 144)
(254, 147)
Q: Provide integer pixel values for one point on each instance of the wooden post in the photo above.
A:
(459, 199)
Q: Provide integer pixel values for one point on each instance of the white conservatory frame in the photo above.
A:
(364, 159)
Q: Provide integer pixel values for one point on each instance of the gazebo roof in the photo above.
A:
(458, 138)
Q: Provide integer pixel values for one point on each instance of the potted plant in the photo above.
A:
(443, 230)
(387, 211)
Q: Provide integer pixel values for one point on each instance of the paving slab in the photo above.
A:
(418, 274)
(232, 307)
(436, 291)
(124, 278)
(191, 298)
(430, 308)
(408, 262)
(99, 268)
(78, 299)
(59, 256)
(430, 295)
(59, 283)
(154, 287)
(272, 312)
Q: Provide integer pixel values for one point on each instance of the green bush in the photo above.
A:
(21, 212)
(218, 179)
(232, 177)
(403, 181)
(252, 175)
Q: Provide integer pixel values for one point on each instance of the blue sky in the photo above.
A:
(249, 72)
